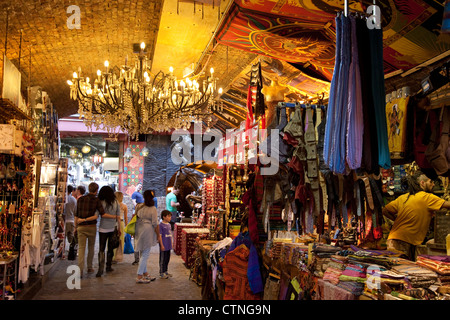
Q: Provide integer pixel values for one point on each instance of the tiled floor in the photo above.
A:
(120, 284)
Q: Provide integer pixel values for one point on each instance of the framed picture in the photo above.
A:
(11, 82)
(7, 139)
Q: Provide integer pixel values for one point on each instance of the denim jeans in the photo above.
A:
(164, 258)
(105, 237)
(143, 257)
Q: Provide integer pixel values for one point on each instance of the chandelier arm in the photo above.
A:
(113, 97)
(85, 97)
(107, 104)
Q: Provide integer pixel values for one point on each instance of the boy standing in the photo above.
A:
(165, 243)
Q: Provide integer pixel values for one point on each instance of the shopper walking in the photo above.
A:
(172, 204)
(118, 253)
(137, 198)
(165, 243)
(106, 228)
(70, 208)
(86, 225)
(79, 192)
(147, 229)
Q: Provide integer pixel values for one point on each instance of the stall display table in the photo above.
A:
(6, 274)
(329, 291)
(188, 243)
(177, 235)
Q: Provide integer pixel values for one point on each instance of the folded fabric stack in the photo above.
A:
(277, 245)
(355, 288)
(328, 291)
(325, 251)
(339, 265)
(444, 280)
(332, 275)
(378, 276)
(339, 259)
(354, 273)
(188, 241)
(439, 264)
(320, 266)
(374, 253)
(177, 241)
(369, 260)
(417, 276)
(291, 253)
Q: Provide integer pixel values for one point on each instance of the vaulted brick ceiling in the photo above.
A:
(177, 33)
(108, 30)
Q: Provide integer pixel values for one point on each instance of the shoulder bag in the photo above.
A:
(115, 239)
(131, 226)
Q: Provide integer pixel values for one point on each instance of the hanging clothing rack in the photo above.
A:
(297, 104)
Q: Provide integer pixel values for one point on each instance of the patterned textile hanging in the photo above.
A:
(255, 98)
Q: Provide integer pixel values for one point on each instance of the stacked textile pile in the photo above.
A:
(381, 280)
(188, 243)
(336, 266)
(328, 291)
(320, 265)
(277, 244)
(416, 275)
(438, 264)
(322, 256)
(353, 278)
(354, 272)
(177, 235)
(367, 259)
(325, 250)
(293, 253)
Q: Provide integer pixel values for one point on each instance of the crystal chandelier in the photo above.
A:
(131, 99)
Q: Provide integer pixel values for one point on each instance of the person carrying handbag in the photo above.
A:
(146, 236)
(106, 228)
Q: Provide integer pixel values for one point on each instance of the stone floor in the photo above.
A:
(120, 284)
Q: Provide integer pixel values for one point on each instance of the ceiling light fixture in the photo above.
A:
(137, 102)
(86, 149)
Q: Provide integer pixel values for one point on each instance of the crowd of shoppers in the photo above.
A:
(101, 211)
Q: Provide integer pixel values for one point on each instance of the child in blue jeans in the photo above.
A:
(165, 243)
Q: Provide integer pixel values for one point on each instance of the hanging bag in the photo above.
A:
(128, 247)
(115, 238)
(131, 226)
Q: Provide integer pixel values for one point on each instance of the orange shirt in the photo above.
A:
(413, 216)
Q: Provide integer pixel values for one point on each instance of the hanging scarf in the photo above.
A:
(355, 125)
(331, 111)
